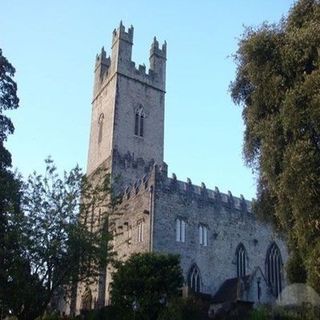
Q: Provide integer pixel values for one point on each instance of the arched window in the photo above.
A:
(100, 124)
(141, 125)
(136, 124)
(194, 279)
(274, 268)
(180, 230)
(139, 122)
(101, 288)
(86, 299)
(241, 257)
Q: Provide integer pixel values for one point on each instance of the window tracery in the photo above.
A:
(139, 122)
(274, 268)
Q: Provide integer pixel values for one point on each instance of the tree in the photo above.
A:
(191, 308)
(8, 101)
(277, 84)
(49, 238)
(146, 282)
(15, 286)
(65, 224)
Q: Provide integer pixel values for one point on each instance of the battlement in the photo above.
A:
(129, 161)
(140, 185)
(203, 194)
(121, 61)
(187, 189)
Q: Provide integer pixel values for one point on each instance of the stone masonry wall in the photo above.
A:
(136, 209)
(229, 221)
(137, 94)
(99, 151)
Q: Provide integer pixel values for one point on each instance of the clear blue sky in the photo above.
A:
(53, 45)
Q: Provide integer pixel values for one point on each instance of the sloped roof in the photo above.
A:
(229, 290)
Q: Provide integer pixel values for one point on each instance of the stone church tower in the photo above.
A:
(127, 124)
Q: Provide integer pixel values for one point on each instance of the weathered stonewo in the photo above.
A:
(151, 198)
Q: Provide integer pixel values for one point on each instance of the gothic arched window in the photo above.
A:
(100, 124)
(86, 300)
(194, 279)
(241, 257)
(274, 268)
(139, 122)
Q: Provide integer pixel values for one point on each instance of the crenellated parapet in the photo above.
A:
(121, 62)
(186, 189)
(129, 161)
(200, 193)
(139, 186)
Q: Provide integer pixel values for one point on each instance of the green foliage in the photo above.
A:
(20, 289)
(185, 309)
(49, 236)
(106, 313)
(260, 314)
(303, 312)
(148, 281)
(295, 268)
(49, 316)
(8, 96)
(277, 84)
(17, 286)
(65, 226)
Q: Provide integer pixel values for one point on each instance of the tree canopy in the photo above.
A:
(8, 101)
(53, 229)
(13, 266)
(65, 224)
(146, 282)
(278, 85)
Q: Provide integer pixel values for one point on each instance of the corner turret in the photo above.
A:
(158, 59)
(122, 42)
(101, 69)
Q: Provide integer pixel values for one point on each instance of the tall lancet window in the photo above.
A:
(274, 268)
(203, 235)
(100, 124)
(241, 257)
(194, 279)
(139, 122)
(180, 230)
